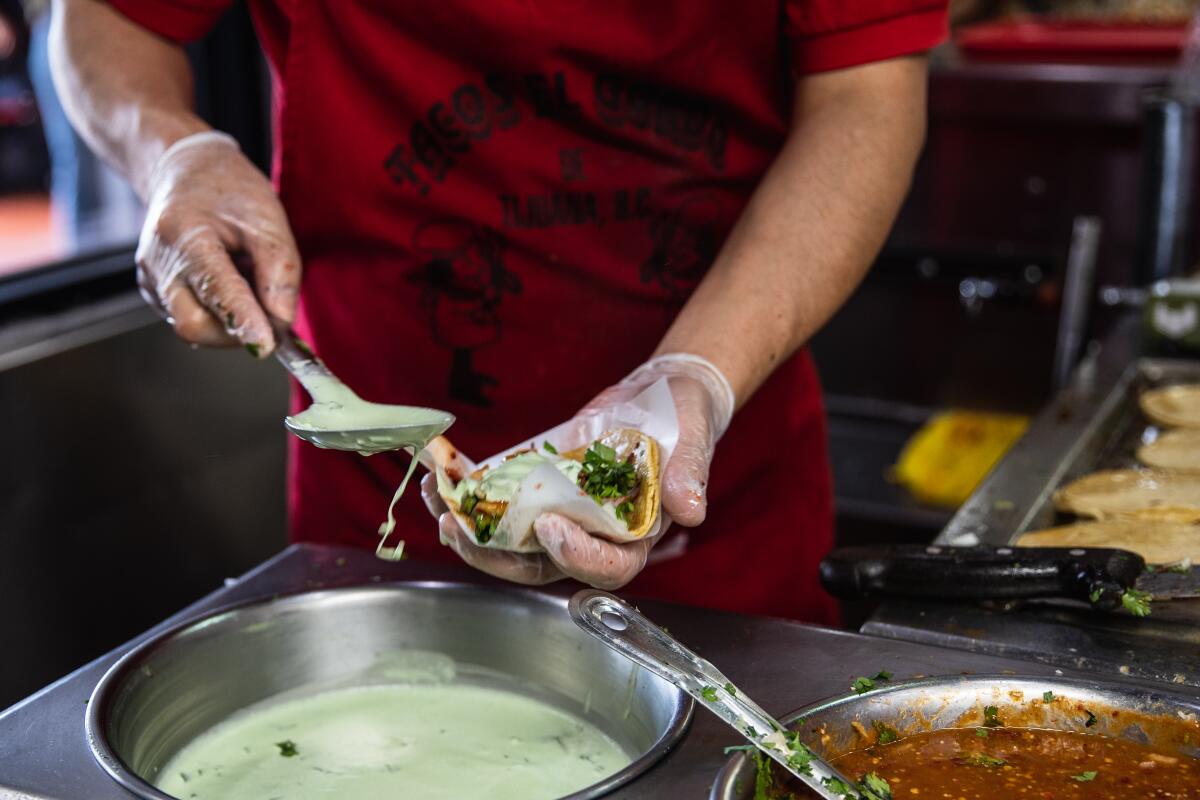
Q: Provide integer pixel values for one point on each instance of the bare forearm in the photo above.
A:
(813, 226)
(127, 91)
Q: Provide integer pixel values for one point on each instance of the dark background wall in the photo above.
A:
(136, 475)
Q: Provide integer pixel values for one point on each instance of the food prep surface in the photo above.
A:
(784, 665)
(1096, 424)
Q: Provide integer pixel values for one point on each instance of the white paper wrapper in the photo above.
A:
(546, 489)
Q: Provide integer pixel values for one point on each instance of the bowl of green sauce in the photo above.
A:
(428, 690)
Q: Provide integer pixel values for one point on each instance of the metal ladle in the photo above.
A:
(379, 427)
(624, 629)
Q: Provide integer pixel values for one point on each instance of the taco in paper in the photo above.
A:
(610, 487)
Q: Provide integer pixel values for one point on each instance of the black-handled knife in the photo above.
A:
(1097, 575)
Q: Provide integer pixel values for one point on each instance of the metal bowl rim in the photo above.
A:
(734, 762)
(119, 771)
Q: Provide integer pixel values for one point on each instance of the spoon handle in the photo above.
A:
(624, 629)
(299, 359)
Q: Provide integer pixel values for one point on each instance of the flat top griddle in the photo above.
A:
(1094, 424)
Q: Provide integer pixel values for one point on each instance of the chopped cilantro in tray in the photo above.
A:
(863, 685)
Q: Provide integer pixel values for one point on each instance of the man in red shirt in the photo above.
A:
(502, 208)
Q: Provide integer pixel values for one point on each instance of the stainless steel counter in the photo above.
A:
(785, 665)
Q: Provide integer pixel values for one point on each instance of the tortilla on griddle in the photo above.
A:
(1157, 542)
(1174, 451)
(545, 492)
(1173, 406)
(1133, 493)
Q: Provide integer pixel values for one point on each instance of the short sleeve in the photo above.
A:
(179, 20)
(833, 34)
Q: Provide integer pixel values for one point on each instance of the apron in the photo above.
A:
(501, 207)
(500, 211)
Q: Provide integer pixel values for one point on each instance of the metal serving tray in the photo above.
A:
(169, 690)
(1167, 720)
(1085, 430)
(1094, 424)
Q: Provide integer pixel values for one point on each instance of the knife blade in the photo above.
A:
(1097, 575)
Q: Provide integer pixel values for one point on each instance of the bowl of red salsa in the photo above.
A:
(993, 736)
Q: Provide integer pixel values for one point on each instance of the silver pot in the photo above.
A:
(1169, 721)
(171, 689)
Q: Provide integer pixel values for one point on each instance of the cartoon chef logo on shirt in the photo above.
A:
(463, 283)
(685, 241)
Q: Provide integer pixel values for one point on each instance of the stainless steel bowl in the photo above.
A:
(169, 690)
(1167, 720)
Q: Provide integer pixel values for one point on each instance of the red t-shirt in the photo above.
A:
(501, 206)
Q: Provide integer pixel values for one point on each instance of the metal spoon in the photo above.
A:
(339, 419)
(624, 629)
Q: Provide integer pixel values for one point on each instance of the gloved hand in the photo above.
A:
(207, 205)
(704, 404)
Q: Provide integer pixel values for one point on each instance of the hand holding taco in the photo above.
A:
(610, 487)
(592, 543)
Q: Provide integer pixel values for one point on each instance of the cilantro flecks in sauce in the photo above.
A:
(452, 741)
(1020, 763)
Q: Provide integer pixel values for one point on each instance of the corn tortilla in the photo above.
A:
(1173, 406)
(1174, 451)
(1132, 493)
(1157, 542)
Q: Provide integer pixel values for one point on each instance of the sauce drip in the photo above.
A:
(340, 419)
(382, 550)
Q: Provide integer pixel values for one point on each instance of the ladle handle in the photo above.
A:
(624, 629)
(299, 359)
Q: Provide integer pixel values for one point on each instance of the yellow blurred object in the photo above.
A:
(947, 458)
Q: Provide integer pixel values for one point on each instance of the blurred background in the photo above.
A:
(1057, 182)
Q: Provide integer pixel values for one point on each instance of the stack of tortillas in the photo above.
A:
(1153, 512)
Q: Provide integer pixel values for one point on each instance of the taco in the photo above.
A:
(610, 487)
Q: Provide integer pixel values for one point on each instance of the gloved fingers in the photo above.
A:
(705, 374)
(276, 267)
(174, 301)
(148, 289)
(209, 209)
(222, 289)
(191, 321)
(529, 568)
(429, 493)
(685, 479)
(586, 558)
(205, 298)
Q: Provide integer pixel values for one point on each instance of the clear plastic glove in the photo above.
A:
(208, 206)
(704, 403)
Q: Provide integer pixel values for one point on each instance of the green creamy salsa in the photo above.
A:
(500, 483)
(435, 742)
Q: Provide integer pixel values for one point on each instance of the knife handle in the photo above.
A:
(1096, 574)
